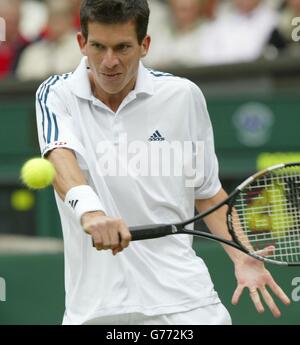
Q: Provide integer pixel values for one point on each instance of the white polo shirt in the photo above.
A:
(157, 276)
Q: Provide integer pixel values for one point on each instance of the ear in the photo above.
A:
(82, 42)
(145, 46)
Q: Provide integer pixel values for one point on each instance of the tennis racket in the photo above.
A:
(263, 211)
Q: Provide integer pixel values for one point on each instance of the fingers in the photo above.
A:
(107, 233)
(254, 294)
(279, 292)
(106, 238)
(270, 302)
(116, 250)
(125, 235)
(237, 294)
(266, 251)
(113, 235)
(256, 300)
(97, 240)
(255, 297)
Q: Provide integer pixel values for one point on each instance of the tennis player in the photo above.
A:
(83, 118)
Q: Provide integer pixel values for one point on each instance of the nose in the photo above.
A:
(110, 60)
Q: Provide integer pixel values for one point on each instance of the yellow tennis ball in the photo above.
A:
(22, 200)
(37, 173)
(281, 221)
(257, 222)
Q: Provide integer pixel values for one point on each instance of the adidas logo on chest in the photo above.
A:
(156, 136)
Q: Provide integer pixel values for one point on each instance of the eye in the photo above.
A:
(124, 47)
(97, 45)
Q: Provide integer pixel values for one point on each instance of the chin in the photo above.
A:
(112, 91)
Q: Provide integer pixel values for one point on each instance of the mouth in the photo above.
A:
(111, 75)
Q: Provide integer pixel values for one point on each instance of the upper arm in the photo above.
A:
(204, 204)
(202, 132)
(68, 172)
(55, 123)
(57, 136)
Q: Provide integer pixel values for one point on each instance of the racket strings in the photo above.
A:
(267, 213)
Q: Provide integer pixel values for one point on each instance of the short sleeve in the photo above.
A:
(54, 121)
(201, 129)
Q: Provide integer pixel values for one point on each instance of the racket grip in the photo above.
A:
(146, 232)
(151, 231)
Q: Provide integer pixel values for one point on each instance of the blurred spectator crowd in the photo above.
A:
(40, 34)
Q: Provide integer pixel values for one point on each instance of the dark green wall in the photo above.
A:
(35, 290)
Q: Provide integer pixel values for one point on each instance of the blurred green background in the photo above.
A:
(35, 290)
(254, 108)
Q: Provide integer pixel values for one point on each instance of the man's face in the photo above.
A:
(113, 54)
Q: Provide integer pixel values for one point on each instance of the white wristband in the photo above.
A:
(82, 199)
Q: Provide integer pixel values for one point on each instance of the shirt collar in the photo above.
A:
(79, 81)
(80, 84)
(144, 82)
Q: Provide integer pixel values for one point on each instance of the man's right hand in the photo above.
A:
(106, 232)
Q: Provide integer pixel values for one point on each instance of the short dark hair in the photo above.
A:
(114, 12)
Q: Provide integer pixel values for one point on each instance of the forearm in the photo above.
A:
(216, 223)
(68, 173)
(106, 232)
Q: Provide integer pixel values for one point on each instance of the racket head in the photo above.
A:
(263, 217)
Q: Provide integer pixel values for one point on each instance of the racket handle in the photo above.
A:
(151, 231)
(145, 232)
